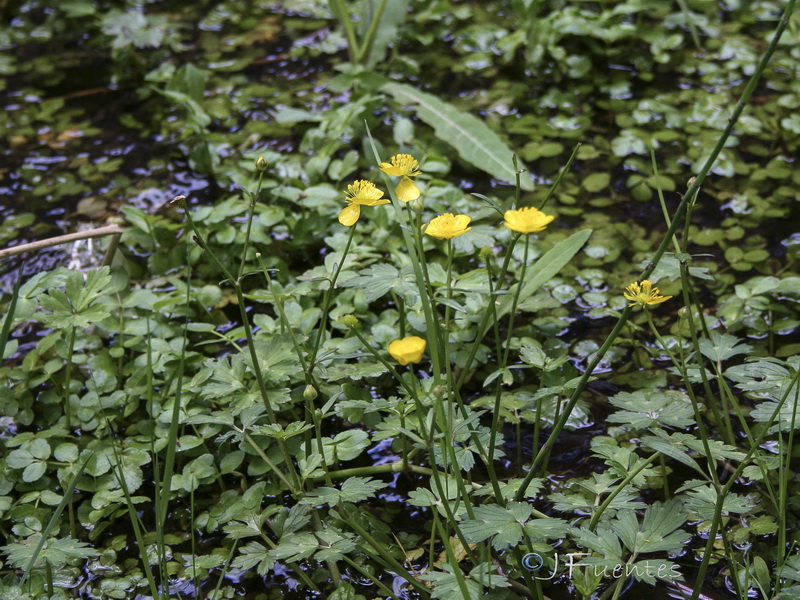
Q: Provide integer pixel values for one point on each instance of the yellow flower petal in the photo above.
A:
(349, 215)
(527, 220)
(407, 350)
(448, 226)
(402, 165)
(365, 193)
(644, 294)
(407, 190)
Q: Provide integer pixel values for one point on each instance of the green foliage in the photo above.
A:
(56, 553)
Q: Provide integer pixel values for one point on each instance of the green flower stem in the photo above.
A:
(661, 200)
(405, 450)
(452, 559)
(484, 325)
(428, 435)
(620, 583)
(686, 287)
(326, 304)
(446, 328)
(514, 303)
(195, 581)
(251, 211)
(285, 324)
(316, 418)
(482, 329)
(401, 312)
(436, 346)
(717, 519)
(68, 379)
(432, 545)
(573, 400)
(563, 171)
(417, 260)
(640, 466)
(367, 575)
(135, 523)
(698, 417)
(380, 550)
(448, 441)
(709, 396)
(727, 395)
(48, 575)
(363, 52)
(248, 331)
(339, 10)
(783, 495)
(487, 456)
(224, 571)
(333, 568)
(296, 490)
(504, 356)
(537, 428)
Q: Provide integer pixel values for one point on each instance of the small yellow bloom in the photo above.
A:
(405, 166)
(644, 294)
(407, 350)
(359, 193)
(447, 226)
(527, 220)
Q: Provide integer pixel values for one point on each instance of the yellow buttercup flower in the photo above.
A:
(402, 165)
(527, 220)
(447, 226)
(405, 166)
(359, 193)
(644, 294)
(407, 350)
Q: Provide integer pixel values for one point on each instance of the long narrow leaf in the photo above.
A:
(473, 140)
(10, 316)
(135, 524)
(546, 268)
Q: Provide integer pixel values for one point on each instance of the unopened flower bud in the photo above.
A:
(261, 163)
(682, 312)
(310, 393)
(350, 321)
(417, 205)
(486, 254)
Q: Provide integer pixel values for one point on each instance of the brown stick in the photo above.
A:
(62, 239)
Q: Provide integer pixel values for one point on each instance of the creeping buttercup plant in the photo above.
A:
(403, 390)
